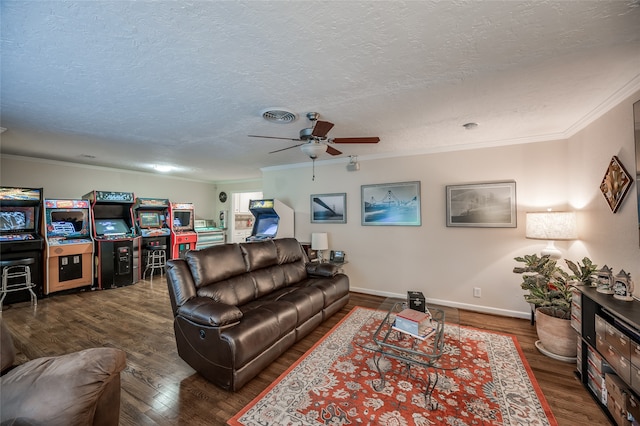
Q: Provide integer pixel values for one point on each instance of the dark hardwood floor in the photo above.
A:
(158, 388)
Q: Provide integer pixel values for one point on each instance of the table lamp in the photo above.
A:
(319, 242)
(551, 226)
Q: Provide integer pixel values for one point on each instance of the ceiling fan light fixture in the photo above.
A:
(312, 150)
(279, 115)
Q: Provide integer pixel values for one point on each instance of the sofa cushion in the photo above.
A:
(289, 250)
(262, 325)
(259, 255)
(233, 291)
(215, 263)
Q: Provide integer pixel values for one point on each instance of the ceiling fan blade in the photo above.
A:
(273, 137)
(332, 151)
(374, 139)
(322, 128)
(289, 147)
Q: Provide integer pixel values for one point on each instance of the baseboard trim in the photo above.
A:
(452, 304)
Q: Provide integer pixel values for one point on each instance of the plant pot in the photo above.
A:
(556, 335)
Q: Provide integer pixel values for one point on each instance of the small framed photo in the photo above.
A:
(391, 204)
(329, 208)
(482, 205)
(615, 184)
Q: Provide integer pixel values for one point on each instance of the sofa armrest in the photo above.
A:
(205, 311)
(318, 269)
(63, 390)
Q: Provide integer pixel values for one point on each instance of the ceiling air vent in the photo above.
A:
(279, 115)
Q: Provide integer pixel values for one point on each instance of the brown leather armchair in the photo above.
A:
(81, 388)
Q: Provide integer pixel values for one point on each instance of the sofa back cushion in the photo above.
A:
(216, 263)
(260, 254)
(292, 260)
(236, 274)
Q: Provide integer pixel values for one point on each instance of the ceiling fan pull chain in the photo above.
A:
(313, 167)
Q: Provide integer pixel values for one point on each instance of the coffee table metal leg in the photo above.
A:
(431, 386)
(376, 361)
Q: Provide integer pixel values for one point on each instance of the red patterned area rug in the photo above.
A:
(334, 384)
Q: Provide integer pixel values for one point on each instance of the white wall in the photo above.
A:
(447, 263)
(607, 238)
(66, 180)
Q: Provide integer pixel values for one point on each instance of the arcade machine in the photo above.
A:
(20, 238)
(68, 245)
(183, 235)
(208, 234)
(273, 219)
(117, 247)
(151, 218)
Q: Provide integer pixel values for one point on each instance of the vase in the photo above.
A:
(556, 335)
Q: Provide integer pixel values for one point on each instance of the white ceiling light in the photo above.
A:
(312, 150)
(279, 115)
(162, 168)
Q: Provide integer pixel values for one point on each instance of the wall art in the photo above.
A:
(483, 205)
(391, 204)
(615, 184)
(329, 208)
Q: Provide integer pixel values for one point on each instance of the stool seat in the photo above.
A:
(156, 259)
(16, 276)
(13, 262)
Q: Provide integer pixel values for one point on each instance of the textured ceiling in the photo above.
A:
(130, 84)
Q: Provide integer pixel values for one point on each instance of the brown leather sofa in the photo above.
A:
(238, 307)
(81, 388)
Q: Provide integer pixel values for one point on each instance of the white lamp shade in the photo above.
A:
(319, 241)
(552, 226)
(312, 150)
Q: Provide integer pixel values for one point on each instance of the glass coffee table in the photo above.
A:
(421, 359)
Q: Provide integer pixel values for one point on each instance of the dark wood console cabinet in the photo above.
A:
(609, 352)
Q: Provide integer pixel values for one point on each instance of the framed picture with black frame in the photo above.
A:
(482, 205)
(391, 204)
(329, 208)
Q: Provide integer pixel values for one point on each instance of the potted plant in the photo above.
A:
(550, 291)
(586, 273)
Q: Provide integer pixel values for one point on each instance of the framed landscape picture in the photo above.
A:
(483, 205)
(391, 204)
(329, 208)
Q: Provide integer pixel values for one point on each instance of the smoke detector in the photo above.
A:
(279, 115)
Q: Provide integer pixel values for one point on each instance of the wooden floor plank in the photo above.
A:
(158, 388)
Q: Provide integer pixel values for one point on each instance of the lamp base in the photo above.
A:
(552, 251)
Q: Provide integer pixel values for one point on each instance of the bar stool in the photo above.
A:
(16, 276)
(156, 259)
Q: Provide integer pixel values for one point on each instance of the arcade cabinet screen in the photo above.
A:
(69, 223)
(182, 219)
(267, 226)
(149, 220)
(111, 227)
(17, 219)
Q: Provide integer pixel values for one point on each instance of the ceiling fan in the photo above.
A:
(314, 141)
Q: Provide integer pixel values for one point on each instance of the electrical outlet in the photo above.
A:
(477, 292)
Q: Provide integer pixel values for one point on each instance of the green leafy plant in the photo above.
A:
(547, 285)
(586, 272)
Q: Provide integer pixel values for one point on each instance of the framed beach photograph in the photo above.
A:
(329, 208)
(482, 205)
(391, 204)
